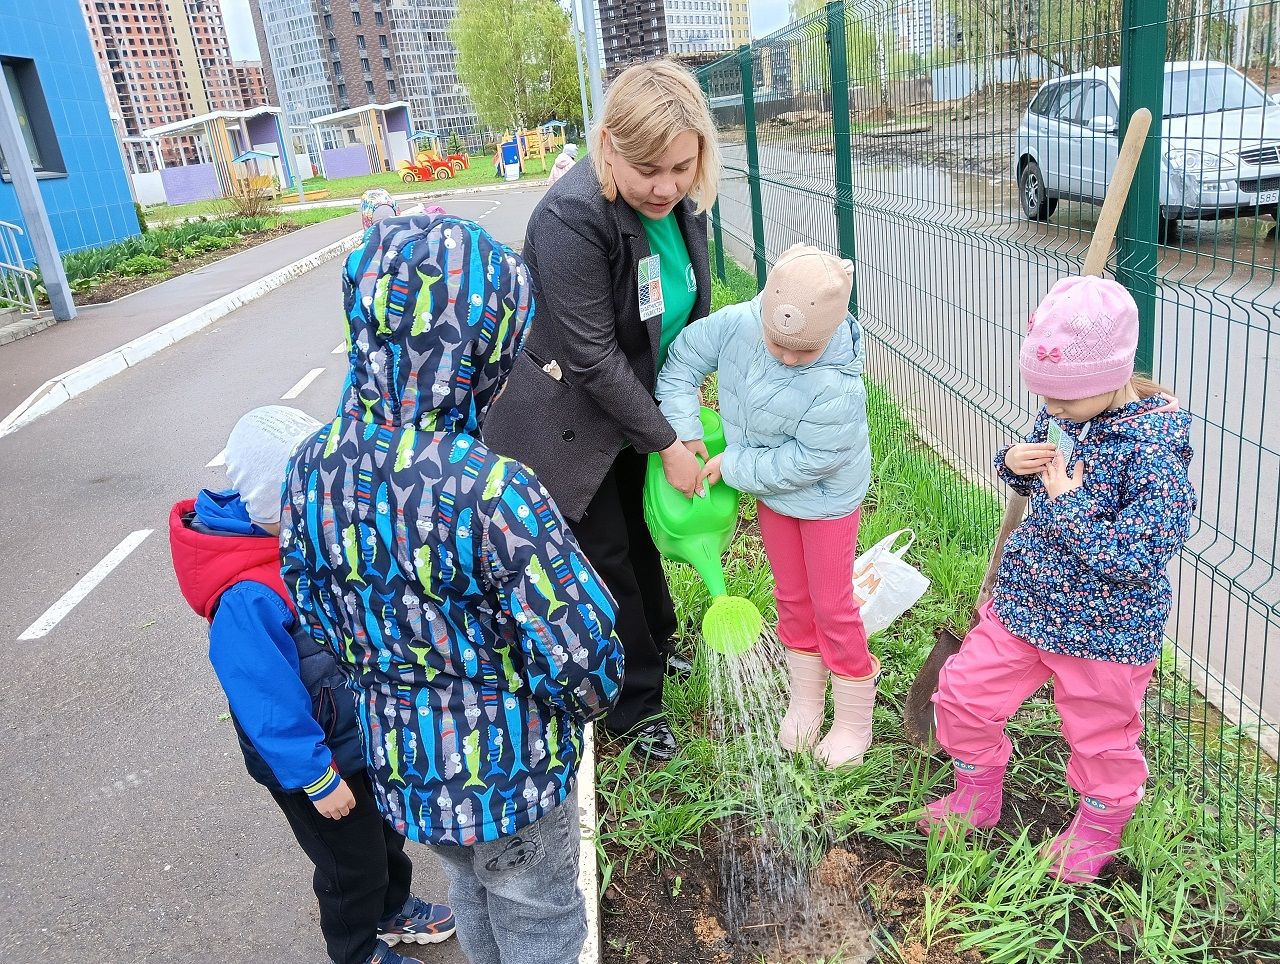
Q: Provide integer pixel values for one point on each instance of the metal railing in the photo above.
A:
(17, 288)
(955, 151)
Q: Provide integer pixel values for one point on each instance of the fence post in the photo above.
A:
(838, 54)
(1144, 42)
(717, 232)
(753, 162)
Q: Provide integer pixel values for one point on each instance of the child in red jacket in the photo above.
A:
(292, 711)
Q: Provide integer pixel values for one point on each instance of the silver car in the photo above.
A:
(1220, 143)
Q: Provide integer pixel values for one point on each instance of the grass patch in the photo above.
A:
(309, 216)
(1197, 883)
(480, 174)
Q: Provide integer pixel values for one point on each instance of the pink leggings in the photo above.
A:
(812, 564)
(1100, 703)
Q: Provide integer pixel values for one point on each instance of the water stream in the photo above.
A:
(778, 903)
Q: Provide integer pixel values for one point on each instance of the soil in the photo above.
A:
(118, 287)
(865, 896)
(974, 135)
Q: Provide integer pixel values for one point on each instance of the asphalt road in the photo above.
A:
(948, 273)
(131, 830)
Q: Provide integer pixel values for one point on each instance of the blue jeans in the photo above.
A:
(516, 900)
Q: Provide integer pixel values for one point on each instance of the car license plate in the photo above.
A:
(1268, 197)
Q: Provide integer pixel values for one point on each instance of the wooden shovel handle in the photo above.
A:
(1135, 138)
(1014, 510)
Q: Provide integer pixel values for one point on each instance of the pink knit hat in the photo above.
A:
(1081, 341)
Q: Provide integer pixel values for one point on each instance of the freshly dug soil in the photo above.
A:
(677, 915)
(118, 287)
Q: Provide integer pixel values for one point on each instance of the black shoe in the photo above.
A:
(678, 666)
(654, 741)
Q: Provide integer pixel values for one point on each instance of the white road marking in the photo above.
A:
(493, 206)
(301, 387)
(340, 350)
(75, 595)
(217, 460)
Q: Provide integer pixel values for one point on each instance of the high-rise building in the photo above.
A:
(428, 65)
(638, 30)
(161, 61)
(916, 27)
(739, 22)
(250, 82)
(320, 57)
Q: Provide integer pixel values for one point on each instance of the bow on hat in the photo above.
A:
(1045, 353)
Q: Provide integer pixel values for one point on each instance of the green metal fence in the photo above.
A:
(954, 150)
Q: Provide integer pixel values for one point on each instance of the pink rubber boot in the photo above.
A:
(850, 734)
(1090, 842)
(807, 675)
(976, 802)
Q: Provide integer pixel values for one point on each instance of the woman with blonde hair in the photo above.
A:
(618, 248)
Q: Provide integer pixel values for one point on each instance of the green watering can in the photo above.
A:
(697, 532)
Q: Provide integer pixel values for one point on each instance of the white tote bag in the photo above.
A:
(884, 585)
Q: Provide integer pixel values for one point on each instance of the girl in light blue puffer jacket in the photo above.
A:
(795, 421)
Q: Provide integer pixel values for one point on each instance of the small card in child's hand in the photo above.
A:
(1064, 441)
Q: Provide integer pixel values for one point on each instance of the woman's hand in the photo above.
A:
(681, 468)
(1057, 481)
(711, 473)
(698, 447)
(1027, 458)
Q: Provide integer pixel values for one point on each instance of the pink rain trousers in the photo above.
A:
(1100, 703)
(812, 561)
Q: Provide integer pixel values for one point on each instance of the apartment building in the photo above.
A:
(639, 30)
(250, 82)
(161, 61)
(323, 56)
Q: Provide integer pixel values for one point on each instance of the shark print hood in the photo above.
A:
(437, 312)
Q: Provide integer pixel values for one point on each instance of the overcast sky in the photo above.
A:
(766, 16)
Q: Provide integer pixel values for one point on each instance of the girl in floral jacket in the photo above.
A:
(1082, 595)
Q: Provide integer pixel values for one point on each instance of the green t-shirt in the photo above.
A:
(679, 285)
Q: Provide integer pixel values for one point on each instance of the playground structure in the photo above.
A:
(372, 139)
(239, 152)
(530, 143)
(430, 162)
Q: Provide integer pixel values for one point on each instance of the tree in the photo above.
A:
(516, 59)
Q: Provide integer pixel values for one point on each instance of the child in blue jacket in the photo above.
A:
(479, 637)
(795, 420)
(290, 705)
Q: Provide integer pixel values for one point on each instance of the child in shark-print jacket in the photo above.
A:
(477, 637)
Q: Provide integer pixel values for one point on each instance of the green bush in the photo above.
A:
(141, 264)
(142, 218)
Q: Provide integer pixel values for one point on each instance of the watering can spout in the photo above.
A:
(705, 557)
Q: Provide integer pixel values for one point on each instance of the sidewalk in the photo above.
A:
(27, 364)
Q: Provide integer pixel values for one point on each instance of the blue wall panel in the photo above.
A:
(92, 205)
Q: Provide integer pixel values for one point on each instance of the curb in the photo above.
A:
(588, 867)
(62, 388)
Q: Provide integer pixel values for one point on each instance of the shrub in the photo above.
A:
(252, 205)
(142, 218)
(141, 264)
